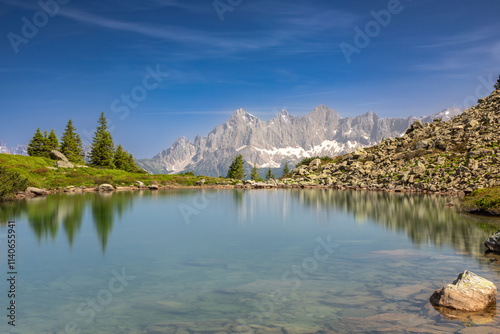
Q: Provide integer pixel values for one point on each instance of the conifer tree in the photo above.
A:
(286, 169)
(255, 174)
(71, 144)
(121, 159)
(236, 170)
(36, 146)
(102, 150)
(497, 85)
(52, 143)
(132, 165)
(269, 174)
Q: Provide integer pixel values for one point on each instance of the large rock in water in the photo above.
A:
(468, 292)
(493, 242)
(56, 155)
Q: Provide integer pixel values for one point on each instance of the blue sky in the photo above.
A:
(161, 69)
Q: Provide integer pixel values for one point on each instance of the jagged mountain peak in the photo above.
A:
(241, 115)
(283, 138)
(321, 109)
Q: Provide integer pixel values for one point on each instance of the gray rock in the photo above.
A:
(106, 187)
(56, 155)
(154, 187)
(140, 184)
(493, 242)
(37, 191)
(64, 164)
(315, 162)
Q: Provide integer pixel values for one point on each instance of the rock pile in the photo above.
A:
(457, 156)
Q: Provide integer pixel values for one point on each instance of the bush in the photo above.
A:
(11, 183)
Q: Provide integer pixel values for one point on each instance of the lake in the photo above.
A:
(242, 261)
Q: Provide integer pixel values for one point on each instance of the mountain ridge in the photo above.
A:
(283, 138)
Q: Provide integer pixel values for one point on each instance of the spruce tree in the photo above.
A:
(36, 147)
(71, 144)
(102, 149)
(131, 164)
(255, 174)
(236, 170)
(52, 142)
(269, 174)
(497, 85)
(286, 169)
(121, 159)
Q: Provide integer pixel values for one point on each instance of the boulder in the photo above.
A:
(359, 153)
(469, 293)
(154, 187)
(315, 162)
(56, 155)
(106, 187)
(64, 164)
(140, 184)
(423, 144)
(493, 242)
(202, 182)
(37, 191)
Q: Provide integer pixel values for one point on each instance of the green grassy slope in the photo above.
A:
(38, 175)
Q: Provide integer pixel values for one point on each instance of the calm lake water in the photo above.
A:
(255, 261)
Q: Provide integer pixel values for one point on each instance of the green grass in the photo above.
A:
(483, 200)
(35, 170)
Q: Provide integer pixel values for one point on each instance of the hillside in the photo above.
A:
(284, 138)
(41, 173)
(457, 156)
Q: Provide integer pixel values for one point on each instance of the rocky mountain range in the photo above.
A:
(18, 149)
(322, 132)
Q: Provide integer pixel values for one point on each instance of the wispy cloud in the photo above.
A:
(466, 37)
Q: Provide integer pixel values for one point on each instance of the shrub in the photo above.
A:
(10, 183)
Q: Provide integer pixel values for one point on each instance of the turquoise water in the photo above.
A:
(255, 261)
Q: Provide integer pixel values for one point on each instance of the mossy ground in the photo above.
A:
(483, 200)
(38, 175)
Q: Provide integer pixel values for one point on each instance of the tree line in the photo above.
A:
(103, 152)
(237, 171)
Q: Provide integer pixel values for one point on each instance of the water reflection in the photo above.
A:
(424, 219)
(47, 215)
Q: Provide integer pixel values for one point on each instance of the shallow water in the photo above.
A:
(255, 261)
